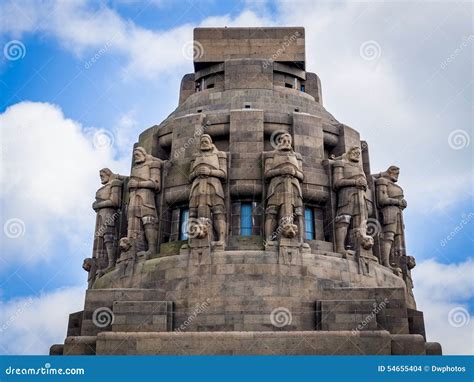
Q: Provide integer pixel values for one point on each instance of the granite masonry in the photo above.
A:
(251, 222)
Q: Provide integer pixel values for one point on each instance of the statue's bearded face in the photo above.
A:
(205, 144)
(104, 177)
(124, 244)
(86, 265)
(394, 175)
(138, 156)
(284, 142)
(354, 155)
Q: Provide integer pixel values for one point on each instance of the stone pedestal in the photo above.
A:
(221, 306)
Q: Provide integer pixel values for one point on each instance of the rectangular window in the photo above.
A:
(302, 88)
(309, 223)
(183, 224)
(246, 219)
(287, 85)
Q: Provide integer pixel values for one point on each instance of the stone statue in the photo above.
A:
(106, 205)
(391, 203)
(206, 202)
(144, 183)
(127, 257)
(350, 183)
(90, 266)
(410, 264)
(284, 204)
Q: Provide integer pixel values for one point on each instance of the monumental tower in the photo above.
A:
(251, 222)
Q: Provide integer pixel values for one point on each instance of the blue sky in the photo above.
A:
(412, 103)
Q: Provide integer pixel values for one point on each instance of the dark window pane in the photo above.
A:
(246, 219)
(183, 223)
(309, 223)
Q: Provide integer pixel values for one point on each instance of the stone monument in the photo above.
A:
(250, 224)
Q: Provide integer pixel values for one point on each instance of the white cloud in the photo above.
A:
(49, 175)
(30, 325)
(88, 30)
(442, 290)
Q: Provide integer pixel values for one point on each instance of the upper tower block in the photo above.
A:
(286, 45)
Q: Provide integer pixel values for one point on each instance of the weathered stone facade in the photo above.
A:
(250, 224)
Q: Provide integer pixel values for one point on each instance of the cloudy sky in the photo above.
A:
(79, 80)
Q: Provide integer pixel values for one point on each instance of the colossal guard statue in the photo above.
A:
(350, 183)
(391, 203)
(108, 200)
(144, 183)
(284, 200)
(206, 202)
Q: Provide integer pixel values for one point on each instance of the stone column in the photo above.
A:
(246, 144)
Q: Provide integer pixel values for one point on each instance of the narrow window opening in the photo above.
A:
(246, 219)
(309, 223)
(183, 223)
